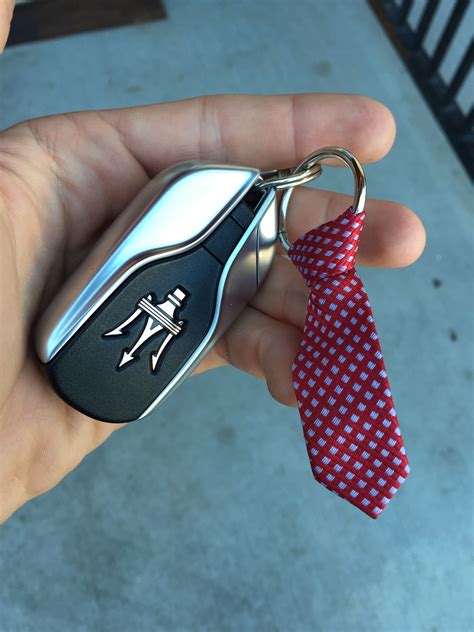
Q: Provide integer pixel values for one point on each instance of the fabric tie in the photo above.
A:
(349, 422)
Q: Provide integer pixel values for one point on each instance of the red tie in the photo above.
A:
(350, 425)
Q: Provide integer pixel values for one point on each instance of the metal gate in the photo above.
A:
(442, 93)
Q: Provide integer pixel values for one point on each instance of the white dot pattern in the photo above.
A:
(345, 403)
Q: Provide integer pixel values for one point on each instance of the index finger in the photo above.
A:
(262, 131)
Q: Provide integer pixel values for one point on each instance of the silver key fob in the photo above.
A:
(162, 285)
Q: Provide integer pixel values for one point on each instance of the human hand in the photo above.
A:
(6, 12)
(64, 178)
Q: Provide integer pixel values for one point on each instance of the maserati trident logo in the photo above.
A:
(160, 319)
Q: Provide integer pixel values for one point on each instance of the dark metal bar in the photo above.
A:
(461, 72)
(425, 21)
(469, 124)
(450, 29)
(405, 10)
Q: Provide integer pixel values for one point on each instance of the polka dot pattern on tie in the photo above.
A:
(346, 408)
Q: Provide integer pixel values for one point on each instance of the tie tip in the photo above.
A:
(370, 498)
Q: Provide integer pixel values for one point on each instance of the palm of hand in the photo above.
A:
(63, 179)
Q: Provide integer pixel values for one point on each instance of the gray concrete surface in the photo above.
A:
(202, 519)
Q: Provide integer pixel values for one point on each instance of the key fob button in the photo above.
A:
(224, 240)
(244, 212)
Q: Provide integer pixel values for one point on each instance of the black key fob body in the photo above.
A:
(162, 285)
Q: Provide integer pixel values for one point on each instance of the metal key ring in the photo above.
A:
(288, 178)
(360, 186)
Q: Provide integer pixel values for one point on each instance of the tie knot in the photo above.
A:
(330, 249)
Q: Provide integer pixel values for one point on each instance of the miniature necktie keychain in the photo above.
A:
(352, 434)
(170, 275)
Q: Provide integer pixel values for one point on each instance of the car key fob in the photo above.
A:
(162, 285)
